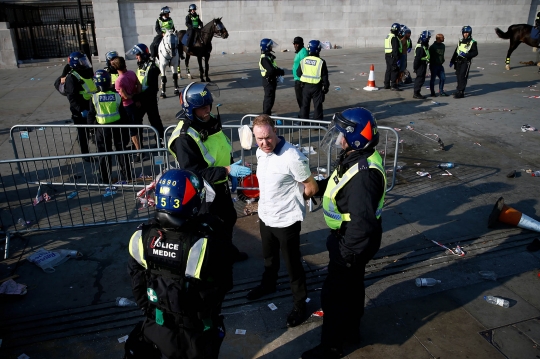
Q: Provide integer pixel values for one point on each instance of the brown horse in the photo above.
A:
(517, 34)
(202, 45)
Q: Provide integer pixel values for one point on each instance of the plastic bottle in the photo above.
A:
(535, 174)
(426, 282)
(124, 302)
(497, 301)
(446, 165)
(21, 222)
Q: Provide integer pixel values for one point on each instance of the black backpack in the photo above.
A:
(138, 347)
(59, 86)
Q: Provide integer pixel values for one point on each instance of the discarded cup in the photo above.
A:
(487, 274)
(497, 301)
(426, 282)
(124, 302)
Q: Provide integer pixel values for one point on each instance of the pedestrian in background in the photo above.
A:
(301, 52)
(436, 61)
(421, 62)
(285, 183)
(466, 50)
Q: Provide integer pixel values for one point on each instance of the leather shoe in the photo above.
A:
(322, 352)
(387, 87)
(258, 292)
(418, 96)
(296, 317)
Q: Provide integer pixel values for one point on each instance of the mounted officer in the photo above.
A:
(163, 23)
(193, 22)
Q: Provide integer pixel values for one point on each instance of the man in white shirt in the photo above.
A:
(285, 183)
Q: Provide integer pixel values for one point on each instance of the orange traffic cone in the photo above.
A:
(509, 215)
(371, 80)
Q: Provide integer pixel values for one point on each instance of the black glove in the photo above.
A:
(325, 91)
(281, 72)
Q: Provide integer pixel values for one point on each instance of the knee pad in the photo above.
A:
(163, 79)
(175, 76)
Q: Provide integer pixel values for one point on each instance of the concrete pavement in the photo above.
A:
(71, 313)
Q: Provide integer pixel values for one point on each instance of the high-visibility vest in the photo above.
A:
(426, 52)
(464, 47)
(88, 85)
(114, 77)
(166, 25)
(263, 70)
(332, 216)
(311, 69)
(194, 21)
(388, 44)
(142, 74)
(107, 106)
(216, 150)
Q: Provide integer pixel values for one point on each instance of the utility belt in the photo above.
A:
(338, 232)
(461, 60)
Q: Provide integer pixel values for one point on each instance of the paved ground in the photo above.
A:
(71, 313)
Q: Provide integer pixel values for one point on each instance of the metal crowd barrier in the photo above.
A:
(67, 192)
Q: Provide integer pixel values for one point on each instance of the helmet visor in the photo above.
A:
(331, 140)
(85, 63)
(198, 94)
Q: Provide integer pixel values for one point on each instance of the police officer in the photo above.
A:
(352, 205)
(148, 74)
(199, 145)
(466, 50)
(270, 73)
(106, 109)
(406, 46)
(392, 50)
(163, 23)
(193, 21)
(313, 74)
(180, 271)
(109, 56)
(79, 87)
(421, 63)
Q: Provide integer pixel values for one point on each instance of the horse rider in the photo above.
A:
(421, 63)
(180, 271)
(537, 21)
(199, 145)
(392, 50)
(193, 22)
(109, 56)
(163, 23)
(106, 109)
(148, 74)
(466, 50)
(79, 87)
(313, 74)
(270, 73)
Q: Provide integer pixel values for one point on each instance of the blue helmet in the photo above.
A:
(424, 36)
(165, 10)
(358, 126)
(110, 56)
(196, 95)
(192, 7)
(266, 45)
(403, 30)
(395, 28)
(140, 49)
(314, 47)
(78, 61)
(102, 79)
(466, 28)
(179, 196)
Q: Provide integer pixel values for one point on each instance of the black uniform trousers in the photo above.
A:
(315, 92)
(420, 77)
(343, 293)
(81, 132)
(155, 44)
(149, 106)
(392, 70)
(288, 240)
(270, 87)
(105, 139)
(298, 88)
(462, 74)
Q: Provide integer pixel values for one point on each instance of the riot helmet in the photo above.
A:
(102, 79)
(314, 47)
(196, 95)
(78, 61)
(357, 125)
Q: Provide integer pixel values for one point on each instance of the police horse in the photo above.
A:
(168, 56)
(517, 34)
(202, 45)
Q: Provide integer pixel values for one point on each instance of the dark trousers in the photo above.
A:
(81, 132)
(437, 71)
(314, 92)
(343, 293)
(269, 95)
(105, 139)
(462, 74)
(392, 70)
(298, 91)
(149, 106)
(187, 341)
(155, 44)
(288, 240)
(420, 77)
(133, 119)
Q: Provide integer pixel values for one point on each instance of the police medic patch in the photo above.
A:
(152, 295)
(164, 250)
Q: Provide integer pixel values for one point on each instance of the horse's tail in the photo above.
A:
(503, 35)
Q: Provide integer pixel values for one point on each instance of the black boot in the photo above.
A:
(418, 96)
